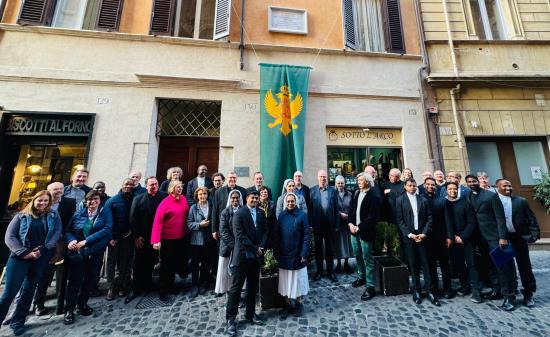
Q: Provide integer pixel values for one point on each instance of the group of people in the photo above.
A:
(218, 232)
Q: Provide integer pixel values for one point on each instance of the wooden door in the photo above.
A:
(187, 153)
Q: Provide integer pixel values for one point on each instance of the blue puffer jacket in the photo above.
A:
(118, 208)
(16, 233)
(99, 235)
(293, 238)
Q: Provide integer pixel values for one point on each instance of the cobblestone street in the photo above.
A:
(333, 310)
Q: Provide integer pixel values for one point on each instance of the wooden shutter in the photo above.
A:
(37, 12)
(162, 20)
(109, 12)
(222, 19)
(393, 27)
(350, 28)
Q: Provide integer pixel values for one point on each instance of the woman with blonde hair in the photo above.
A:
(169, 235)
(173, 174)
(31, 237)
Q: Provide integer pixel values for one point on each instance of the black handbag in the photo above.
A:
(78, 256)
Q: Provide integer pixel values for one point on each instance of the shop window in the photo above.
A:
(199, 19)
(373, 25)
(348, 162)
(38, 166)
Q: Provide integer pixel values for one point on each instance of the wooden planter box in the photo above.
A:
(269, 292)
(392, 276)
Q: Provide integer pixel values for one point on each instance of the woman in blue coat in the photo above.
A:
(292, 249)
(31, 237)
(87, 235)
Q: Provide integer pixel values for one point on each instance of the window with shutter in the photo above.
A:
(393, 27)
(162, 21)
(350, 28)
(36, 12)
(109, 13)
(222, 19)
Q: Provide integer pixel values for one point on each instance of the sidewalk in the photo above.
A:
(333, 310)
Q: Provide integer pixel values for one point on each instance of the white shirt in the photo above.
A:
(359, 202)
(507, 204)
(414, 205)
(200, 181)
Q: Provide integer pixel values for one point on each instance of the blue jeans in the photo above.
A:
(21, 275)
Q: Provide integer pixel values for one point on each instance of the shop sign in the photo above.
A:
(363, 137)
(46, 126)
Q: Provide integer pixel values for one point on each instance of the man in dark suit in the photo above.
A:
(142, 214)
(455, 177)
(491, 220)
(136, 177)
(78, 189)
(437, 242)
(259, 183)
(251, 233)
(199, 181)
(393, 190)
(66, 208)
(414, 219)
(301, 189)
(324, 218)
(363, 217)
(523, 229)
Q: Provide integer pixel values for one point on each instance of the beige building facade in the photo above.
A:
(489, 71)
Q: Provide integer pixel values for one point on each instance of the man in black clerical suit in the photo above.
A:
(201, 180)
(251, 233)
(437, 242)
(142, 214)
(523, 229)
(259, 183)
(414, 218)
(491, 221)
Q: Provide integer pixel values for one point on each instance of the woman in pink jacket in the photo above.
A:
(169, 236)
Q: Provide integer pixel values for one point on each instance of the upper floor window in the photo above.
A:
(373, 25)
(494, 19)
(72, 14)
(199, 19)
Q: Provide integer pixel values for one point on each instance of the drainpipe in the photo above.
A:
(454, 92)
(241, 44)
(450, 37)
(422, 74)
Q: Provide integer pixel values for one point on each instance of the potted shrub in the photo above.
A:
(269, 282)
(542, 192)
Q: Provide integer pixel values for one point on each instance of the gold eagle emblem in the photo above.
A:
(284, 110)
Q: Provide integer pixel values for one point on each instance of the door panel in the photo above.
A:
(187, 153)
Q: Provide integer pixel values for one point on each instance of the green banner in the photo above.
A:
(283, 101)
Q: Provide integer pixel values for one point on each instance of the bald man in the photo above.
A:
(136, 178)
(325, 221)
(65, 207)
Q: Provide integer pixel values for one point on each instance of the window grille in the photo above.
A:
(189, 118)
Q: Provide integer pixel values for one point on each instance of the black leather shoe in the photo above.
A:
(255, 319)
(299, 310)
(368, 294)
(69, 318)
(285, 311)
(448, 293)
(416, 298)
(130, 297)
(40, 310)
(529, 302)
(194, 292)
(433, 299)
(495, 295)
(476, 297)
(231, 328)
(332, 277)
(508, 304)
(84, 310)
(317, 276)
(358, 283)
